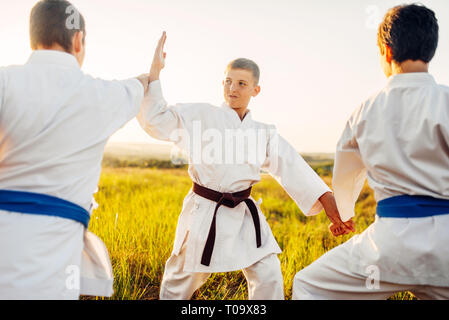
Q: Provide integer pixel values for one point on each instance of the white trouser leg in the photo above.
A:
(329, 277)
(431, 292)
(40, 257)
(265, 281)
(177, 284)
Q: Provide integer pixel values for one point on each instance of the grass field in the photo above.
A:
(137, 220)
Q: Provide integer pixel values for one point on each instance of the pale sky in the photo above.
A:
(318, 59)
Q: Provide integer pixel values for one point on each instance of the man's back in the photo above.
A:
(54, 123)
(402, 135)
(400, 139)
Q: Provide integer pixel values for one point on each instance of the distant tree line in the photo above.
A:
(114, 162)
(321, 167)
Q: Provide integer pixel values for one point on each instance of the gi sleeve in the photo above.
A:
(168, 123)
(349, 171)
(293, 173)
(129, 96)
(2, 89)
(117, 102)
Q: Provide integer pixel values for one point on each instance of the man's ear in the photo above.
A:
(77, 41)
(256, 91)
(388, 53)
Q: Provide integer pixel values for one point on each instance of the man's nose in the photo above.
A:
(233, 87)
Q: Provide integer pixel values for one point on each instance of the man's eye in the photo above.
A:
(228, 82)
(242, 84)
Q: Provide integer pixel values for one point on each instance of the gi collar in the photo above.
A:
(247, 118)
(53, 57)
(415, 79)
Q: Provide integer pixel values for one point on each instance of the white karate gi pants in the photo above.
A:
(264, 278)
(40, 257)
(330, 278)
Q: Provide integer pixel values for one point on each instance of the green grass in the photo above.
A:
(137, 220)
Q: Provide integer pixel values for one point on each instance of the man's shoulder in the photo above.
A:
(264, 125)
(443, 88)
(108, 85)
(366, 106)
(383, 93)
(199, 107)
(203, 111)
(373, 98)
(11, 69)
(13, 76)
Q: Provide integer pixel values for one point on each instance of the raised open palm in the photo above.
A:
(158, 59)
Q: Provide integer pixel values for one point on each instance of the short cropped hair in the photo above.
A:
(411, 31)
(246, 64)
(55, 22)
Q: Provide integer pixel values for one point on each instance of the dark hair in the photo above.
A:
(246, 64)
(411, 31)
(55, 21)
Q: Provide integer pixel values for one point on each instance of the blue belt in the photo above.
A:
(41, 204)
(412, 207)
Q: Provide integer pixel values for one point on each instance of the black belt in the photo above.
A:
(230, 200)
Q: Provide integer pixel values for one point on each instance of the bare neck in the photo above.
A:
(242, 112)
(57, 47)
(410, 66)
(54, 47)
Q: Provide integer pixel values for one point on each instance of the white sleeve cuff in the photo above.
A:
(136, 92)
(155, 90)
(315, 207)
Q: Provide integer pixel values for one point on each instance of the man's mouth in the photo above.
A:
(233, 97)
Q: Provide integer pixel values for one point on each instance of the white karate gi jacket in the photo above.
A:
(399, 139)
(54, 123)
(205, 132)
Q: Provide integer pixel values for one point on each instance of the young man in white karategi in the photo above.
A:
(220, 228)
(54, 123)
(399, 138)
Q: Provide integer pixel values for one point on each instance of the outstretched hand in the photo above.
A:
(338, 227)
(158, 59)
(337, 230)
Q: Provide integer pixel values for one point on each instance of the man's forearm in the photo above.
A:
(154, 75)
(330, 207)
(144, 80)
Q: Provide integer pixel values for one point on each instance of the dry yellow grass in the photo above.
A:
(137, 219)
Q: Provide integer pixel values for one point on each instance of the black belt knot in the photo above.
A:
(230, 200)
